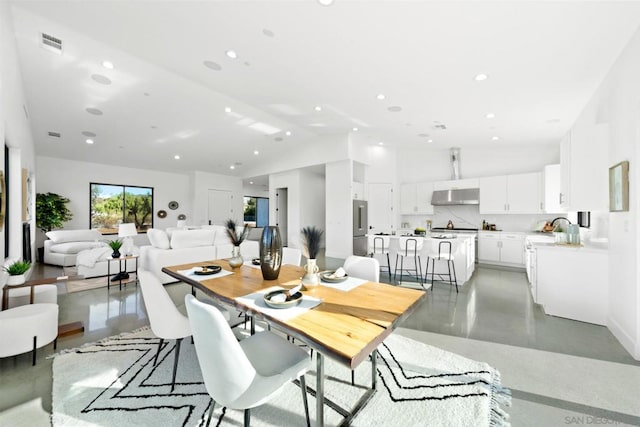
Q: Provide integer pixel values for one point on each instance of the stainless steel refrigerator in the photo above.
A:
(360, 227)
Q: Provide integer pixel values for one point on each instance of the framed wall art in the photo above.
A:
(619, 187)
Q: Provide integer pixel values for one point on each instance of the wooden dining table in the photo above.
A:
(346, 326)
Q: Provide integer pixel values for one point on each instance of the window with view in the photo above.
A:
(256, 211)
(112, 205)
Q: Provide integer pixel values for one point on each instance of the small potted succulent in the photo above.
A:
(16, 272)
(115, 245)
(236, 239)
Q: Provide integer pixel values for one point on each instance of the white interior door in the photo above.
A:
(220, 208)
(380, 208)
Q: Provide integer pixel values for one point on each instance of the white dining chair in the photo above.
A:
(167, 323)
(362, 267)
(246, 374)
(291, 256)
(379, 247)
(410, 247)
(27, 328)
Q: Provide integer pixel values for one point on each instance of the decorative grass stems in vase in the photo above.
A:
(311, 238)
(236, 239)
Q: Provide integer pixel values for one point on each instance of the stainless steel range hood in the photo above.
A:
(463, 196)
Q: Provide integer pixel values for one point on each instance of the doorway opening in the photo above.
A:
(281, 213)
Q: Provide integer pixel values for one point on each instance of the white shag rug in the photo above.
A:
(114, 382)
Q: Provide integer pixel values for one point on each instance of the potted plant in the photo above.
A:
(115, 245)
(51, 213)
(311, 237)
(16, 272)
(236, 239)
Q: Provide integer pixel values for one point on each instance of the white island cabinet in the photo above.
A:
(462, 248)
(572, 282)
(501, 248)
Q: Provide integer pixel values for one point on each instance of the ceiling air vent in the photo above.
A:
(51, 43)
(54, 134)
(440, 126)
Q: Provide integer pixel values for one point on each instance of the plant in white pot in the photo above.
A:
(16, 272)
(311, 238)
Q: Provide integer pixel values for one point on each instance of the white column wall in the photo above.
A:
(312, 203)
(339, 209)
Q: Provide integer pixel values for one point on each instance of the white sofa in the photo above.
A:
(63, 246)
(177, 246)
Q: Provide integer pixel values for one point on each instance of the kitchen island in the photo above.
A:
(462, 248)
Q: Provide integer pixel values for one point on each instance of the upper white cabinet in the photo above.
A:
(511, 194)
(552, 191)
(584, 169)
(415, 198)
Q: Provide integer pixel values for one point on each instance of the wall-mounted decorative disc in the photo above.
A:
(162, 214)
(173, 205)
(182, 217)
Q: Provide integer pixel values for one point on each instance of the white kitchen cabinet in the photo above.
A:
(584, 168)
(415, 198)
(511, 194)
(501, 248)
(572, 282)
(551, 183)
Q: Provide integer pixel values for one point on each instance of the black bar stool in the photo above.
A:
(442, 255)
(409, 247)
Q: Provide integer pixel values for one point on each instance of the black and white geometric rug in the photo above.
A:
(114, 383)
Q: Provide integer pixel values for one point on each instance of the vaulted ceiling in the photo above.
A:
(304, 71)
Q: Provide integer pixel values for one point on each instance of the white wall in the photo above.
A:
(338, 209)
(14, 131)
(312, 200)
(617, 104)
(71, 179)
(201, 183)
(434, 164)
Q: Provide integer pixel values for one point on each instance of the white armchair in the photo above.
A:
(27, 328)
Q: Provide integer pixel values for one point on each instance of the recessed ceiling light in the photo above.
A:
(99, 78)
(288, 133)
(380, 143)
(490, 116)
(107, 64)
(256, 152)
(94, 111)
(251, 182)
(176, 157)
(325, 2)
(355, 129)
(317, 108)
(429, 141)
(212, 65)
(232, 54)
(380, 96)
(89, 141)
(227, 109)
(232, 167)
(481, 77)
(495, 138)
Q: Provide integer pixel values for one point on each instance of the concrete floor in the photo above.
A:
(560, 371)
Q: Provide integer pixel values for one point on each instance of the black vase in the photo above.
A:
(270, 252)
(115, 254)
